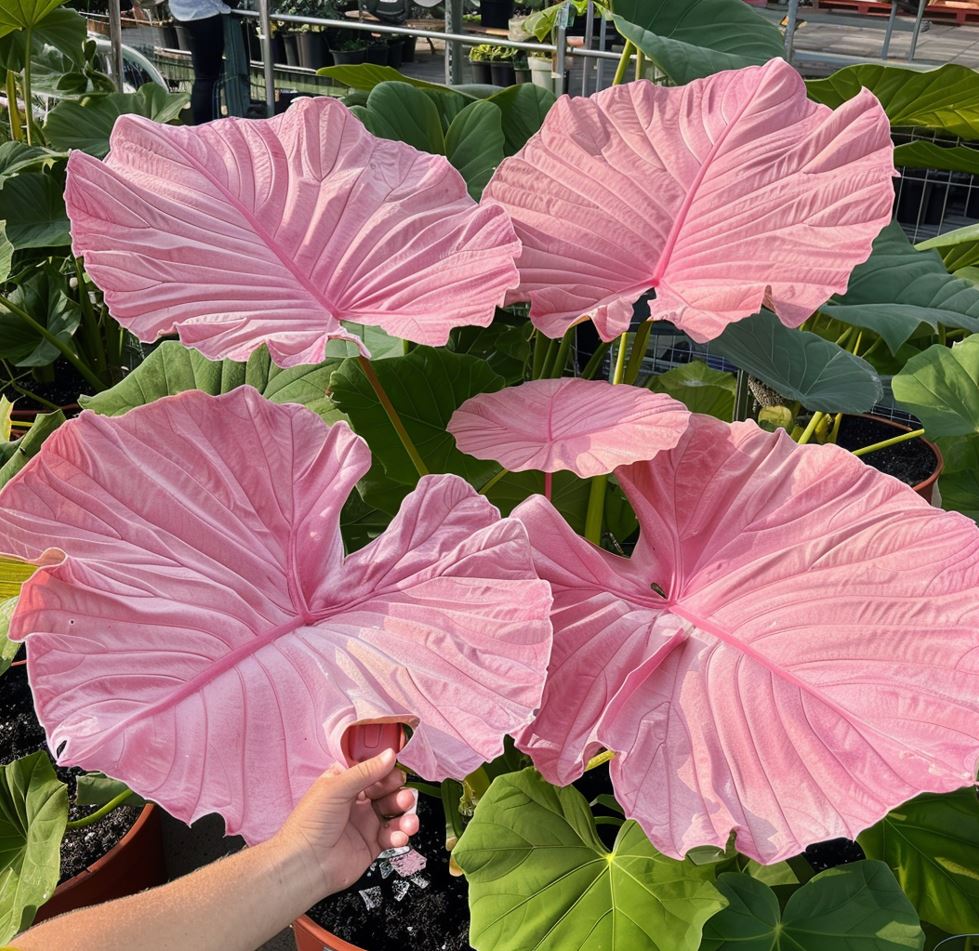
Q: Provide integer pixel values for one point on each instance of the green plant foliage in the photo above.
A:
(33, 813)
(87, 124)
(899, 288)
(426, 387)
(857, 907)
(944, 99)
(700, 388)
(399, 111)
(800, 365)
(16, 157)
(33, 208)
(539, 877)
(172, 368)
(8, 648)
(366, 76)
(474, 144)
(524, 107)
(97, 789)
(504, 345)
(922, 154)
(688, 39)
(24, 14)
(44, 296)
(57, 41)
(941, 388)
(542, 23)
(14, 455)
(959, 249)
(932, 845)
(958, 484)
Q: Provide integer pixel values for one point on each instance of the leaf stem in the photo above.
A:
(893, 441)
(28, 94)
(393, 418)
(13, 111)
(93, 335)
(619, 76)
(638, 352)
(492, 480)
(556, 367)
(101, 812)
(595, 361)
(597, 761)
(65, 350)
(811, 428)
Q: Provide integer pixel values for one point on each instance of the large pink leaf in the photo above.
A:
(586, 426)
(813, 663)
(722, 195)
(202, 637)
(241, 232)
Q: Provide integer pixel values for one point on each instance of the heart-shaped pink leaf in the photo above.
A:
(198, 634)
(812, 661)
(586, 426)
(243, 232)
(728, 193)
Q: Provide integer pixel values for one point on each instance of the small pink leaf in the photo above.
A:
(238, 233)
(586, 426)
(812, 665)
(200, 636)
(722, 195)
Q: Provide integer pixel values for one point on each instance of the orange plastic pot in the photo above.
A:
(311, 937)
(925, 488)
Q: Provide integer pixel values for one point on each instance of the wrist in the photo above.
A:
(289, 861)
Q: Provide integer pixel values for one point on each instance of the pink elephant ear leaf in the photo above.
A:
(829, 655)
(273, 231)
(202, 637)
(728, 193)
(586, 426)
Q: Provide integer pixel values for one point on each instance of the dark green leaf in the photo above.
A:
(504, 346)
(958, 484)
(45, 298)
(959, 249)
(700, 388)
(366, 76)
(58, 40)
(87, 124)
(899, 288)
(361, 522)
(922, 154)
(539, 877)
(945, 99)
(426, 387)
(17, 454)
(22, 14)
(941, 388)
(932, 846)
(8, 648)
(33, 813)
(401, 112)
(688, 39)
(96, 789)
(33, 207)
(474, 144)
(524, 108)
(800, 365)
(17, 157)
(859, 907)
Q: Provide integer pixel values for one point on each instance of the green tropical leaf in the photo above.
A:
(24, 14)
(58, 40)
(941, 388)
(688, 39)
(97, 789)
(932, 845)
(45, 298)
(539, 877)
(33, 206)
(503, 345)
(958, 484)
(859, 907)
(365, 76)
(474, 144)
(8, 648)
(541, 23)
(402, 112)
(524, 107)
(959, 249)
(33, 813)
(700, 388)
(17, 157)
(944, 99)
(87, 124)
(16, 454)
(923, 154)
(800, 365)
(899, 288)
(172, 368)
(426, 387)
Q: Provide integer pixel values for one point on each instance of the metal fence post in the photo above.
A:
(917, 29)
(790, 21)
(265, 23)
(453, 49)
(115, 43)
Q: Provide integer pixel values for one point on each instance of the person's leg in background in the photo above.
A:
(206, 52)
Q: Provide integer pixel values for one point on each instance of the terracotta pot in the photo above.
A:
(925, 488)
(311, 937)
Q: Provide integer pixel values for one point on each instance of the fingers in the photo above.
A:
(396, 832)
(393, 804)
(389, 784)
(358, 778)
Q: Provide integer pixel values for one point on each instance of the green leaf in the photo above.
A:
(45, 298)
(96, 789)
(800, 365)
(959, 249)
(923, 154)
(172, 368)
(17, 454)
(932, 845)
(402, 112)
(503, 345)
(688, 39)
(17, 157)
(941, 388)
(22, 14)
(33, 206)
(542, 22)
(474, 144)
(58, 40)
(8, 648)
(13, 573)
(958, 484)
(6, 254)
(700, 388)
(426, 387)
(524, 107)
(361, 522)
(87, 124)
(778, 874)
(859, 907)
(366, 76)
(944, 99)
(33, 813)
(899, 288)
(539, 877)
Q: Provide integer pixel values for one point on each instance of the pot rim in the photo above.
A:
(925, 484)
(332, 942)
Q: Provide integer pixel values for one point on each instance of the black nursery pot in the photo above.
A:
(313, 51)
(291, 41)
(348, 57)
(408, 49)
(503, 74)
(495, 13)
(183, 37)
(169, 37)
(395, 54)
(482, 73)
(377, 54)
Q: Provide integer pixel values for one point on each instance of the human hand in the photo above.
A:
(347, 818)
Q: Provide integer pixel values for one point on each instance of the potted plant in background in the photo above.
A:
(479, 60)
(502, 66)
(348, 47)
(377, 51)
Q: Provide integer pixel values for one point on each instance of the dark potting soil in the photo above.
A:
(432, 913)
(911, 462)
(21, 735)
(62, 390)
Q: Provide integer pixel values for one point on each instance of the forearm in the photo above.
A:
(233, 905)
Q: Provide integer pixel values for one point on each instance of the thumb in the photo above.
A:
(359, 777)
